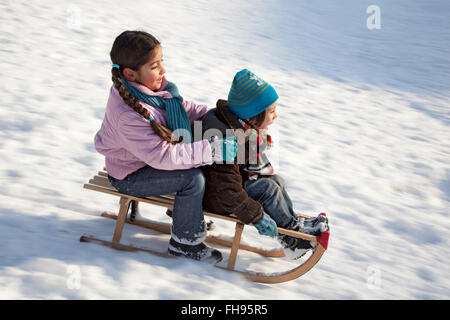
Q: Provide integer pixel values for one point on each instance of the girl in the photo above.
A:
(145, 138)
(251, 189)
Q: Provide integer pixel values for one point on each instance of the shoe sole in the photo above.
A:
(215, 257)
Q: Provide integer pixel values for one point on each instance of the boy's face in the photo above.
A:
(271, 115)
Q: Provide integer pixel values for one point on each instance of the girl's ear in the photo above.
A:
(129, 74)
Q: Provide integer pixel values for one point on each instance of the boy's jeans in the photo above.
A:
(271, 193)
(188, 225)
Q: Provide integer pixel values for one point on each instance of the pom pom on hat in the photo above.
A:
(250, 95)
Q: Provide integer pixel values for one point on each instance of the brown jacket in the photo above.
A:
(225, 193)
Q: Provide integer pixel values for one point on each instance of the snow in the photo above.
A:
(362, 134)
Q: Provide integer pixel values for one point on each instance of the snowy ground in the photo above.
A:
(363, 134)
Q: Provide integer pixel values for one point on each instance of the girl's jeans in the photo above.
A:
(271, 193)
(188, 225)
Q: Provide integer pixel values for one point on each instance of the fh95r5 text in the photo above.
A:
(246, 309)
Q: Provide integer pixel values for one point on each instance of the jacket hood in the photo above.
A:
(225, 114)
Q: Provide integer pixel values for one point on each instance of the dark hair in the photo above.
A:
(256, 121)
(132, 49)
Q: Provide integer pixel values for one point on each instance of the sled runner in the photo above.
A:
(101, 183)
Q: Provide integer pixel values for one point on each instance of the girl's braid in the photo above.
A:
(129, 99)
(132, 102)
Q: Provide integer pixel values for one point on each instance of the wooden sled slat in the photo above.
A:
(103, 173)
(116, 193)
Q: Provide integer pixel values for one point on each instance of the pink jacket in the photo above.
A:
(128, 142)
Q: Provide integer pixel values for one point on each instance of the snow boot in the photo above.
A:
(199, 252)
(312, 222)
(134, 210)
(296, 247)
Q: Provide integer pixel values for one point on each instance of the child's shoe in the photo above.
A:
(296, 247)
(198, 252)
(312, 222)
(302, 247)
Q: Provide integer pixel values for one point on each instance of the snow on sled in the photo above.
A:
(295, 268)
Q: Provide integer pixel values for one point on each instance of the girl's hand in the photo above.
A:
(223, 149)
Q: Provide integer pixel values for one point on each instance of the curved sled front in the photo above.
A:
(287, 275)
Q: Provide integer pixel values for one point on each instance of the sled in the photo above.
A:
(101, 183)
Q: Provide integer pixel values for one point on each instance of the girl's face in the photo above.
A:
(271, 115)
(151, 74)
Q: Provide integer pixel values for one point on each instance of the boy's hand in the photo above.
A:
(224, 149)
(267, 226)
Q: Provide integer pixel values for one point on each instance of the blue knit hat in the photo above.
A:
(250, 95)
